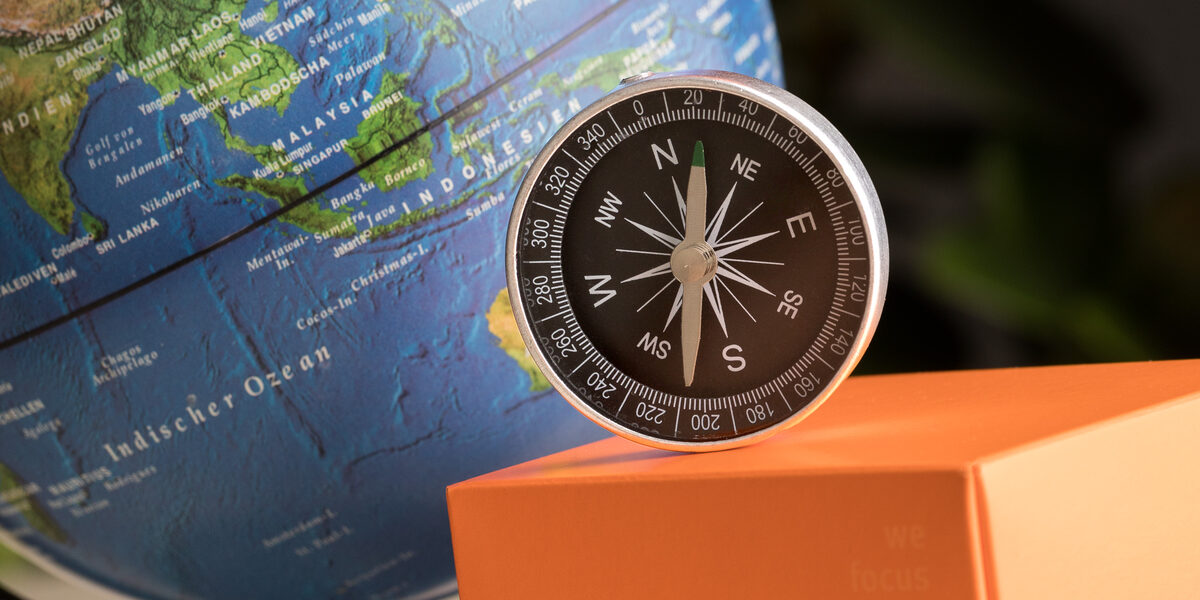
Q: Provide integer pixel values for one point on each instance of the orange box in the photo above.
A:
(1050, 482)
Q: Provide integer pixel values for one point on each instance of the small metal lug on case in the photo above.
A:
(638, 77)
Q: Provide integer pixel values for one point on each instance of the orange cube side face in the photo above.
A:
(823, 536)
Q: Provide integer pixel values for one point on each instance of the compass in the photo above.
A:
(696, 260)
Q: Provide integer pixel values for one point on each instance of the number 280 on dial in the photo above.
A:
(697, 260)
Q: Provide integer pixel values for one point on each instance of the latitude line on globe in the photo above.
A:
(284, 209)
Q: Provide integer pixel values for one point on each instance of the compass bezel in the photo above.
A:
(798, 113)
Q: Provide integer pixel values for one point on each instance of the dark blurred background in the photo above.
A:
(1038, 165)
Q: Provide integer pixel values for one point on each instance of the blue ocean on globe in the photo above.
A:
(253, 316)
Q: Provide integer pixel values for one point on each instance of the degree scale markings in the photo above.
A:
(595, 152)
(668, 115)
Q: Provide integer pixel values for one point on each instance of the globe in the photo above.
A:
(252, 300)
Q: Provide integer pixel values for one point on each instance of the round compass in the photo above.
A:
(696, 260)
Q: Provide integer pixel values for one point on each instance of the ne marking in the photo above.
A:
(785, 402)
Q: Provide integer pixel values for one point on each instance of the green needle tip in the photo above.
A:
(698, 155)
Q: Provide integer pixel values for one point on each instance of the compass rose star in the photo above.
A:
(718, 290)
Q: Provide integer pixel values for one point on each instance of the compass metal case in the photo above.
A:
(707, 319)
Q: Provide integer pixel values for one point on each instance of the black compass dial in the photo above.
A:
(693, 266)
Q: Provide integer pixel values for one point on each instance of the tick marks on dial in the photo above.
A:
(635, 267)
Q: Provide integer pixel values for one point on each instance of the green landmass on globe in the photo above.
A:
(165, 46)
(393, 117)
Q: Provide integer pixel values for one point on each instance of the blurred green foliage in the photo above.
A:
(1012, 242)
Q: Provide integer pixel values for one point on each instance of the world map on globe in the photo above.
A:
(253, 316)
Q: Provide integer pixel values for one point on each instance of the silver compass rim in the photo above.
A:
(799, 113)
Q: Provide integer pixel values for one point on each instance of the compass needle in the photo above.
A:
(775, 282)
(693, 263)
